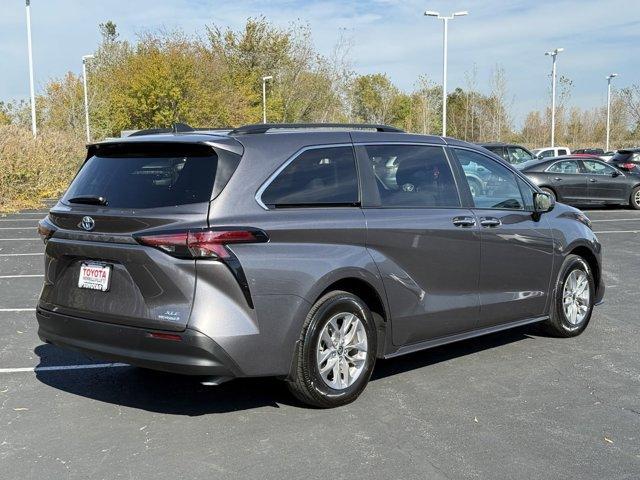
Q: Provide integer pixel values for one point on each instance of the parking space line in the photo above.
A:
(617, 231)
(62, 367)
(17, 228)
(18, 220)
(27, 213)
(616, 219)
(23, 239)
(20, 276)
(19, 254)
(17, 309)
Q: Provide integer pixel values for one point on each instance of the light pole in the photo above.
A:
(609, 77)
(31, 87)
(553, 55)
(445, 19)
(85, 58)
(264, 97)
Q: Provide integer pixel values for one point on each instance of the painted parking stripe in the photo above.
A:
(19, 220)
(39, 212)
(18, 228)
(617, 219)
(63, 367)
(617, 231)
(24, 239)
(19, 254)
(17, 309)
(21, 276)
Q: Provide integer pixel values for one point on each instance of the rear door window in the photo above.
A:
(569, 166)
(563, 151)
(413, 176)
(147, 182)
(317, 177)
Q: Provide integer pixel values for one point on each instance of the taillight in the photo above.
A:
(208, 243)
(46, 229)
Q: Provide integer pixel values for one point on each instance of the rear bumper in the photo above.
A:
(195, 354)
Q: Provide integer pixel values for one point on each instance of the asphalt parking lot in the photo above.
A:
(511, 405)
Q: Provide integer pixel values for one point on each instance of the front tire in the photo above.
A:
(634, 199)
(335, 354)
(574, 296)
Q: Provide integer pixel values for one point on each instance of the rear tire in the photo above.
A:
(550, 192)
(574, 295)
(336, 352)
(634, 199)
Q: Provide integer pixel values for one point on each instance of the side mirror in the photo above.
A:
(615, 174)
(542, 202)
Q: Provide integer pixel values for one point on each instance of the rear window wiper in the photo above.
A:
(89, 200)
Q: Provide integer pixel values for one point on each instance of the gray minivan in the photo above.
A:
(304, 252)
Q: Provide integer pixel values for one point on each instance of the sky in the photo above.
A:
(389, 36)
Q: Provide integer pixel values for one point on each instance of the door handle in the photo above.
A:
(464, 222)
(490, 222)
(558, 179)
(592, 180)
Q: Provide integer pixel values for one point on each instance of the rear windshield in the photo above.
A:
(146, 182)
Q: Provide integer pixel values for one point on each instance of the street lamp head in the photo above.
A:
(87, 57)
(270, 77)
(554, 52)
(431, 13)
(461, 14)
(558, 50)
(613, 75)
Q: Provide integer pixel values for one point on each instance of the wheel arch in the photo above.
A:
(371, 296)
(588, 256)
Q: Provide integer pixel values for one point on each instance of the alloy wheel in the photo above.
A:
(576, 297)
(342, 350)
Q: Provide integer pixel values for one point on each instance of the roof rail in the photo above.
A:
(265, 127)
(179, 128)
(176, 128)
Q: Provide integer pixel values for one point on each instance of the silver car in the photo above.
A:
(304, 252)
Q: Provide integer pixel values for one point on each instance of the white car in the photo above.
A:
(548, 152)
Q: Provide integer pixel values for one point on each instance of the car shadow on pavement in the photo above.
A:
(444, 353)
(172, 394)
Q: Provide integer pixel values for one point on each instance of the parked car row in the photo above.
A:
(586, 176)
(582, 181)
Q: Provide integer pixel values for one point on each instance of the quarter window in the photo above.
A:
(317, 177)
(492, 185)
(413, 176)
(564, 167)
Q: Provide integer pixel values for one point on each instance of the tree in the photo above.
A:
(373, 97)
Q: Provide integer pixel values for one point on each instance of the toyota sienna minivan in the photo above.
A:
(304, 252)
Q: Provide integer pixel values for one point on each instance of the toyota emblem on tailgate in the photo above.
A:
(87, 223)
